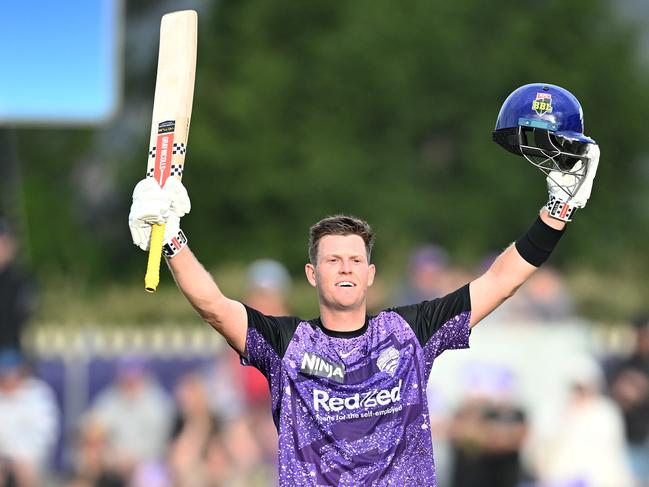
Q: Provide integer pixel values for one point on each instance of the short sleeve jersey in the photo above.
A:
(350, 407)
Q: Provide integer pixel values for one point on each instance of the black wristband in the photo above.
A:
(538, 243)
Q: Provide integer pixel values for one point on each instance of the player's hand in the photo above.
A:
(155, 205)
(561, 205)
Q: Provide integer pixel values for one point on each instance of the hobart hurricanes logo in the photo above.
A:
(542, 104)
(388, 360)
(313, 364)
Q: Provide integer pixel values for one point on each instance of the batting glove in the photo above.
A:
(155, 205)
(561, 205)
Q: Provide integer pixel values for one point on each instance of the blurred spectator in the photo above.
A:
(545, 297)
(225, 393)
(586, 444)
(244, 449)
(267, 286)
(234, 389)
(241, 449)
(136, 413)
(17, 292)
(93, 465)
(218, 466)
(488, 431)
(28, 422)
(193, 430)
(629, 387)
(439, 414)
(428, 276)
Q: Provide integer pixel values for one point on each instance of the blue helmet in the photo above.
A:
(546, 107)
(545, 124)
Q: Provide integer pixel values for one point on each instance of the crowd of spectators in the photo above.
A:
(214, 427)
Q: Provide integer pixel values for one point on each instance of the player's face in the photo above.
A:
(342, 272)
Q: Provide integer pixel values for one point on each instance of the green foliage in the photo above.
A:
(379, 109)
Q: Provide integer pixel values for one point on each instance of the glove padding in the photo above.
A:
(561, 205)
(155, 205)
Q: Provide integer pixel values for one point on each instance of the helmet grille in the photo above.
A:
(549, 152)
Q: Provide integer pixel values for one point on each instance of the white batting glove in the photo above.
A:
(560, 204)
(155, 205)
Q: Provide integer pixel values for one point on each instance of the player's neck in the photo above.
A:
(343, 320)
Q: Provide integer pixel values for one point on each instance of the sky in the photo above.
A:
(60, 61)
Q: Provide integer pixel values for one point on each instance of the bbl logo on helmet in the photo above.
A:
(542, 104)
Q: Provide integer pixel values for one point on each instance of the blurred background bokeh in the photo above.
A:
(302, 110)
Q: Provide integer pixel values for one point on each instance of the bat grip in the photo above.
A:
(152, 277)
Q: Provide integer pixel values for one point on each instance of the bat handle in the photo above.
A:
(152, 277)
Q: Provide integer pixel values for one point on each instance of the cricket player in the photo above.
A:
(349, 390)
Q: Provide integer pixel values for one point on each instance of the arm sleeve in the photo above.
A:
(267, 339)
(429, 317)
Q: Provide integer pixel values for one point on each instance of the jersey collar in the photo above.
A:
(317, 322)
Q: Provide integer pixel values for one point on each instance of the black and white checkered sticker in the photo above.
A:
(177, 148)
(176, 170)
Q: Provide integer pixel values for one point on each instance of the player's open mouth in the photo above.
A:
(345, 284)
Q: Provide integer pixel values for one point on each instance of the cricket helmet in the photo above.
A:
(544, 123)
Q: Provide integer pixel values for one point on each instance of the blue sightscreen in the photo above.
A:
(60, 62)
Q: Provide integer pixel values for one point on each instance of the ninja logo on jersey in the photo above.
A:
(313, 364)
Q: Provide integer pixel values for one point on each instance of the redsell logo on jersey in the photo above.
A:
(164, 149)
(542, 104)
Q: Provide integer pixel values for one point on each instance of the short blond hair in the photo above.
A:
(339, 225)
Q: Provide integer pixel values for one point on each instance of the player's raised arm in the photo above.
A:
(544, 124)
(155, 205)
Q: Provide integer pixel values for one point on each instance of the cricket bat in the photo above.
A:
(172, 109)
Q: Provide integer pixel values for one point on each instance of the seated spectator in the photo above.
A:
(224, 390)
(193, 429)
(629, 388)
(92, 462)
(17, 292)
(218, 467)
(29, 418)
(234, 389)
(136, 413)
(488, 431)
(243, 448)
(267, 286)
(585, 444)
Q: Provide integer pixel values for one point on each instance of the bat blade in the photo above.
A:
(172, 109)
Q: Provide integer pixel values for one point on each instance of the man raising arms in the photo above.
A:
(349, 390)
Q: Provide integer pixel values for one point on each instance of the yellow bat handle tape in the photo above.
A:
(152, 277)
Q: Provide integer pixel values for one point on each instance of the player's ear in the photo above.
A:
(371, 272)
(309, 270)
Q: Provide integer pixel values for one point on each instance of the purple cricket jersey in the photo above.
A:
(351, 407)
